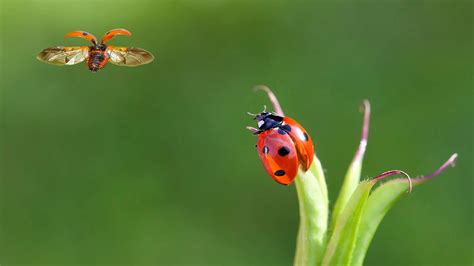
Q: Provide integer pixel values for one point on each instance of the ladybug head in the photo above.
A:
(266, 120)
(100, 46)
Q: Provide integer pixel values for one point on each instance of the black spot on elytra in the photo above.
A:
(286, 128)
(281, 131)
(279, 173)
(265, 149)
(305, 136)
(283, 151)
(85, 33)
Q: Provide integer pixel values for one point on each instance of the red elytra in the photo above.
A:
(303, 142)
(283, 145)
(278, 155)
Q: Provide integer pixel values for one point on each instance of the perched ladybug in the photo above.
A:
(283, 145)
(96, 55)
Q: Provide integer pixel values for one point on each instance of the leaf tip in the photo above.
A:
(450, 162)
(272, 97)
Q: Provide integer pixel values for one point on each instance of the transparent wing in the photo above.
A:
(124, 56)
(64, 55)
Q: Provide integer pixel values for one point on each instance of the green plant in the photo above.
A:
(358, 210)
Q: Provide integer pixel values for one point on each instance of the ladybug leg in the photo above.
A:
(82, 34)
(254, 130)
(110, 34)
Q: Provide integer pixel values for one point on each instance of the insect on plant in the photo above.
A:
(287, 154)
(283, 145)
(96, 55)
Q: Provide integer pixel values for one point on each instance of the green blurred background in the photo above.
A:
(153, 165)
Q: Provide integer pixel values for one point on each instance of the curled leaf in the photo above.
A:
(343, 240)
(379, 203)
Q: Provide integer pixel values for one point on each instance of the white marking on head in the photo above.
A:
(260, 123)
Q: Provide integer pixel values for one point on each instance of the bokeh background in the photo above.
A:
(153, 165)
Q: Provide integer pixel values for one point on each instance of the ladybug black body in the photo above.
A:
(97, 57)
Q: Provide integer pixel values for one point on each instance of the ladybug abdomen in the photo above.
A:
(97, 60)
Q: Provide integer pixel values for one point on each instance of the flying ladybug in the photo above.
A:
(96, 55)
(283, 146)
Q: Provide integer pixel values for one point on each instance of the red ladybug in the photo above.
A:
(283, 145)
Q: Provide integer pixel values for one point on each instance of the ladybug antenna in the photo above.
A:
(253, 115)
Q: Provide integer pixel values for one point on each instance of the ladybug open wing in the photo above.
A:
(124, 56)
(82, 34)
(301, 139)
(110, 34)
(278, 155)
(63, 55)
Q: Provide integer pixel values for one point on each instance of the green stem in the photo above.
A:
(313, 204)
